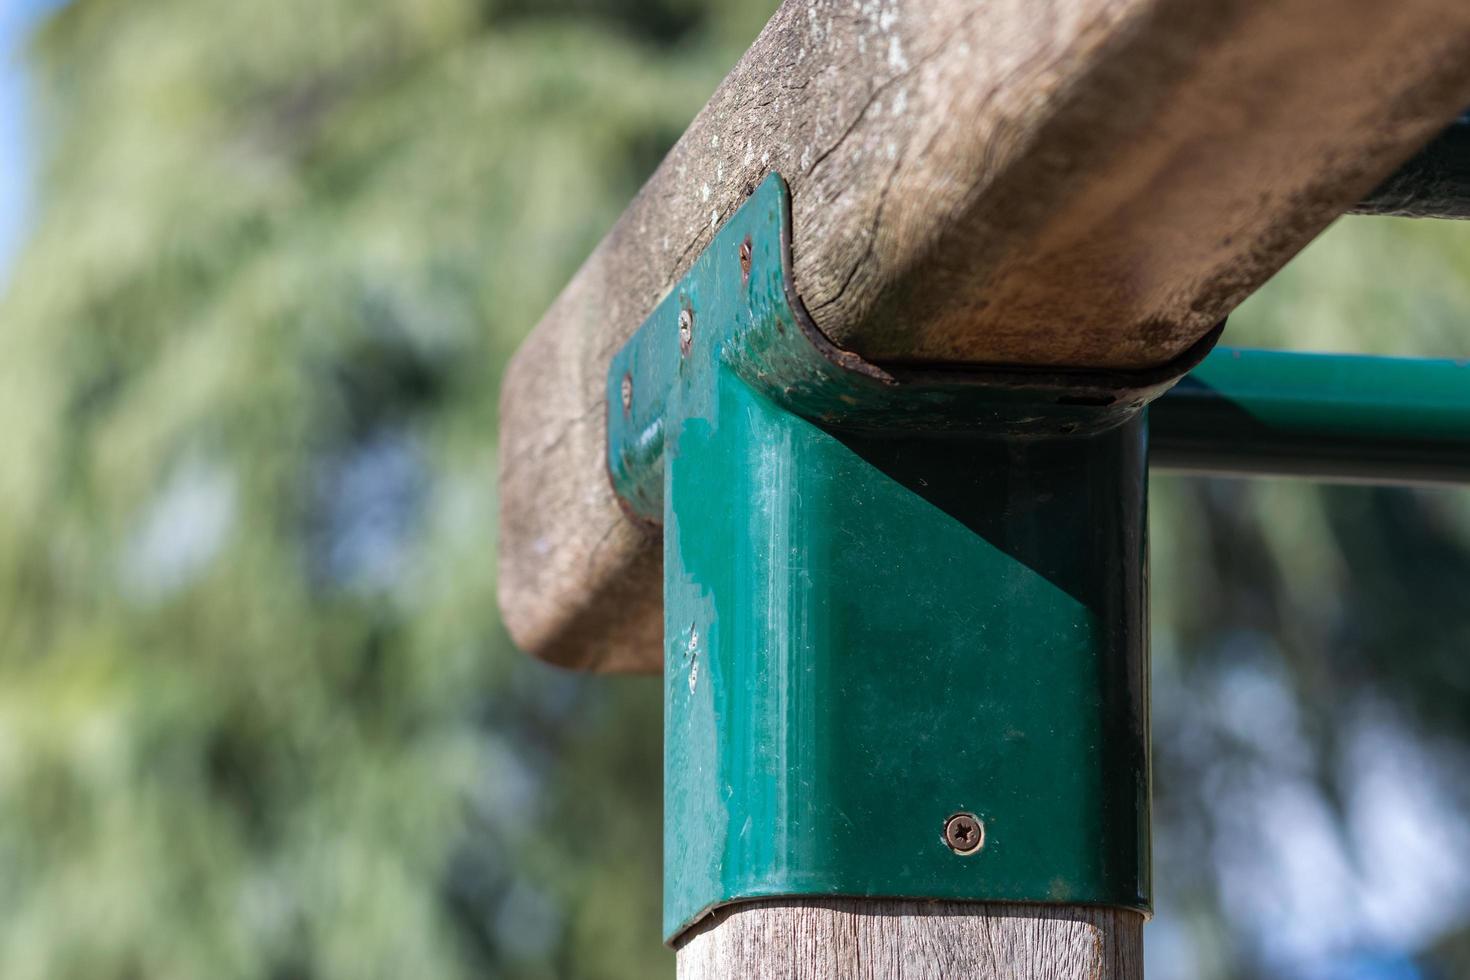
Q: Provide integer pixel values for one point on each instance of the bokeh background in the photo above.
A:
(262, 266)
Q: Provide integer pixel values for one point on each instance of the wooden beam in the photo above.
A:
(857, 939)
(1089, 183)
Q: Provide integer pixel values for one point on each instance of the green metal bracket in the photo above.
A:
(905, 636)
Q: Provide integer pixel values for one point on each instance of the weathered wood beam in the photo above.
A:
(864, 939)
(1090, 183)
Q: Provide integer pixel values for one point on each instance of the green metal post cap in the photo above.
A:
(904, 618)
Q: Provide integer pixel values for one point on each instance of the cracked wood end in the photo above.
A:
(1083, 183)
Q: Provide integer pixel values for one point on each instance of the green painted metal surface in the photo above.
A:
(884, 604)
(1381, 419)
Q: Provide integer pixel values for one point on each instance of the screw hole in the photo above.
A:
(686, 330)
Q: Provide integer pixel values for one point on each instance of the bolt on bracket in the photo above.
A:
(905, 613)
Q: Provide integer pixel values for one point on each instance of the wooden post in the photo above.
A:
(1089, 184)
(880, 940)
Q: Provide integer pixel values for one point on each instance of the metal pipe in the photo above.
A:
(1326, 416)
(1434, 183)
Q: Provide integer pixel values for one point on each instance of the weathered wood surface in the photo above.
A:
(1090, 183)
(855, 939)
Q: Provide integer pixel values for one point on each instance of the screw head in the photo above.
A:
(686, 330)
(627, 391)
(964, 833)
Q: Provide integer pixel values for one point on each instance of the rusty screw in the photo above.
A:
(627, 393)
(964, 833)
(686, 330)
(745, 261)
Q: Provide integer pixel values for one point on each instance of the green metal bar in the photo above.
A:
(1435, 183)
(1338, 417)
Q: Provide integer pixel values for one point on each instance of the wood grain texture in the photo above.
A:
(857, 939)
(1088, 183)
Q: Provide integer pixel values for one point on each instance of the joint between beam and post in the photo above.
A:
(905, 636)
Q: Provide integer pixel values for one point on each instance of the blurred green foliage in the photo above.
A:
(258, 717)
(1312, 664)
